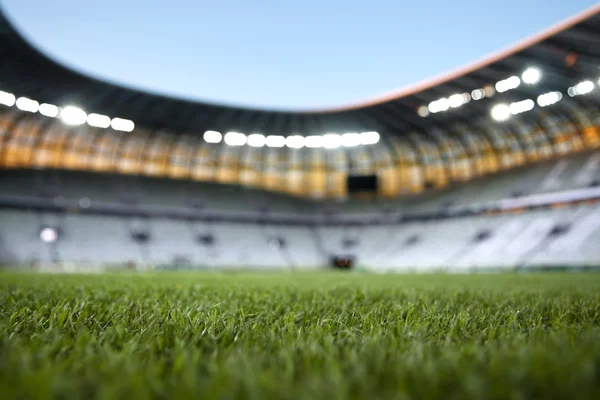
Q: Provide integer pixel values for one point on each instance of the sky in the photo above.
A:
(278, 54)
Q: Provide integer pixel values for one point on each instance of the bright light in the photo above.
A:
(256, 140)
(332, 141)
(313, 142)
(423, 111)
(507, 84)
(531, 76)
(369, 138)
(294, 142)
(25, 104)
(73, 116)
(275, 141)
(98, 120)
(501, 112)
(350, 139)
(456, 100)
(8, 99)
(478, 94)
(550, 98)
(235, 139)
(581, 88)
(120, 124)
(48, 235)
(212, 137)
(521, 106)
(439, 105)
(49, 110)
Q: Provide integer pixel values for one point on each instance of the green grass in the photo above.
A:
(299, 335)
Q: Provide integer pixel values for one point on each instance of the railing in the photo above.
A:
(565, 198)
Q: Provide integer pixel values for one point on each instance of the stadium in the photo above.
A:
(175, 205)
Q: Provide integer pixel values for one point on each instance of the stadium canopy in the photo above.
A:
(564, 55)
(533, 101)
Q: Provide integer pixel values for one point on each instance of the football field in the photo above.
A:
(299, 335)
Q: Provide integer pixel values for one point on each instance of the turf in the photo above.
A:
(299, 335)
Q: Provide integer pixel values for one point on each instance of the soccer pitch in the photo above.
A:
(299, 335)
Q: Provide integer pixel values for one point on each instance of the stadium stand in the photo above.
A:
(494, 166)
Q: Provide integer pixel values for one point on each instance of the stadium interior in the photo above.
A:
(492, 167)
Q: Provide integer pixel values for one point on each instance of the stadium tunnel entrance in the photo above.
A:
(342, 262)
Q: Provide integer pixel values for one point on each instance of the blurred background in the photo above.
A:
(134, 137)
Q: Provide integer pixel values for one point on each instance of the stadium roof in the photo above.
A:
(565, 55)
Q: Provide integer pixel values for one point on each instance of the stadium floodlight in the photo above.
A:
(275, 141)
(584, 87)
(26, 104)
(332, 141)
(531, 76)
(256, 140)
(521, 106)
(48, 235)
(508, 84)
(213, 137)
(7, 99)
(350, 139)
(423, 111)
(49, 110)
(457, 100)
(550, 98)
(489, 91)
(500, 112)
(369, 138)
(313, 142)
(438, 105)
(235, 139)
(294, 142)
(98, 120)
(123, 125)
(73, 116)
(478, 94)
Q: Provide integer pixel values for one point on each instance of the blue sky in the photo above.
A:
(278, 54)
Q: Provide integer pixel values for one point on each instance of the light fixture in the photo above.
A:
(120, 124)
(584, 87)
(507, 84)
(49, 110)
(550, 98)
(500, 112)
(332, 141)
(98, 120)
(48, 235)
(275, 141)
(212, 137)
(350, 139)
(25, 104)
(313, 142)
(438, 105)
(7, 99)
(235, 139)
(294, 142)
(369, 138)
(423, 111)
(256, 140)
(531, 76)
(521, 106)
(73, 116)
(478, 94)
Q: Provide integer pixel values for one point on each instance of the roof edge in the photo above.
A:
(429, 83)
(372, 101)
